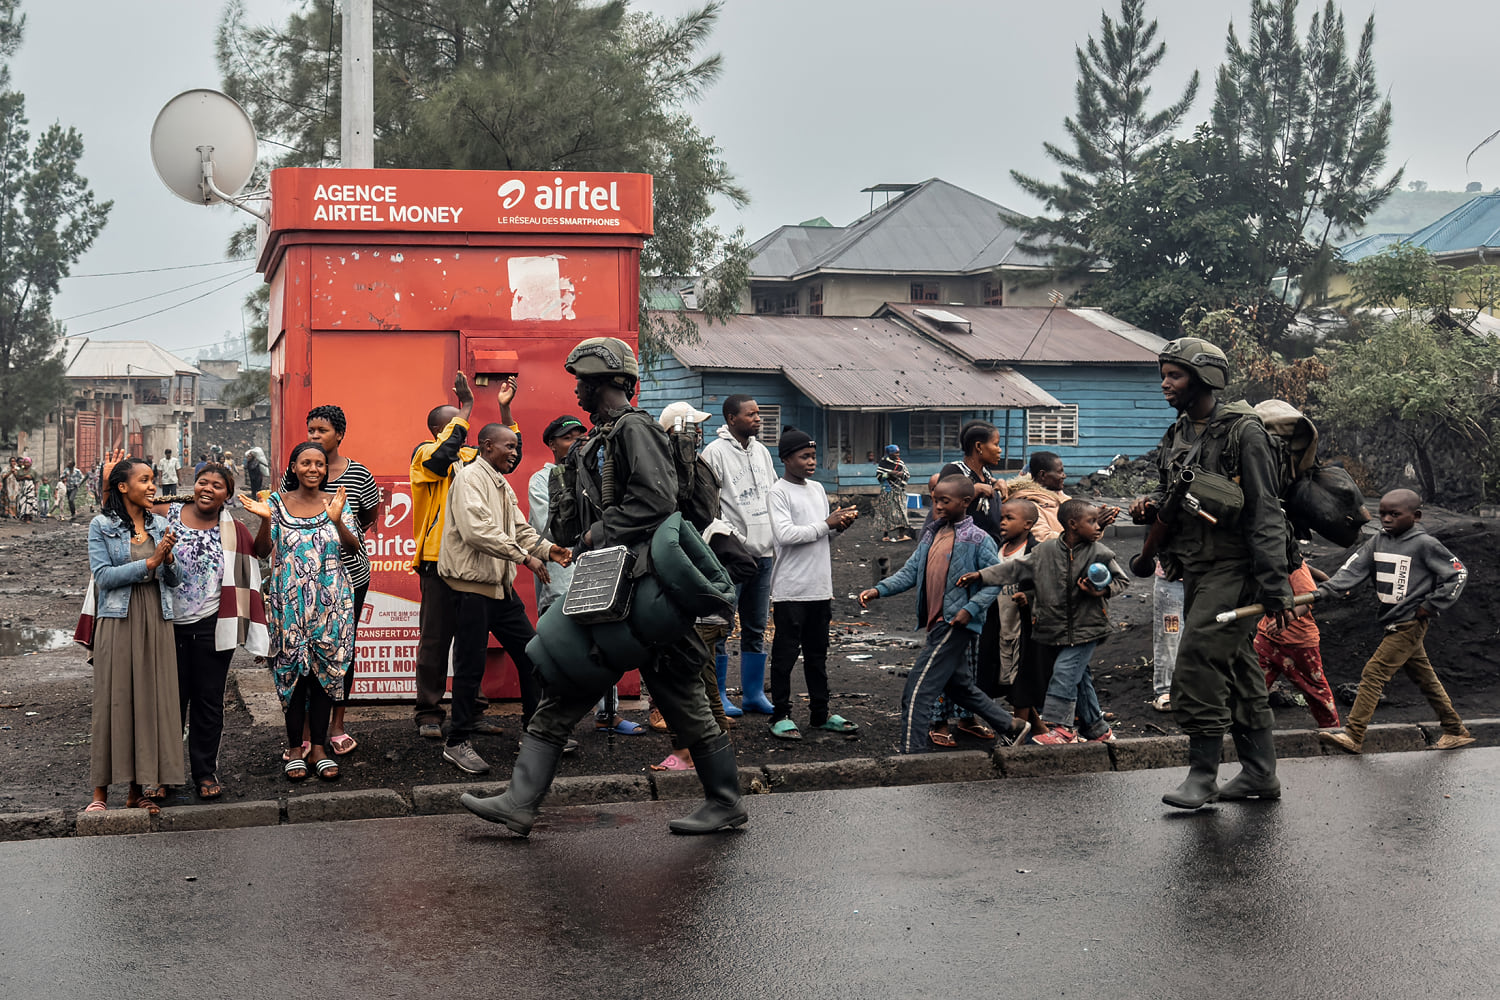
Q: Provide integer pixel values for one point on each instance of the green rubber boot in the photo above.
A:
(1257, 778)
(1202, 783)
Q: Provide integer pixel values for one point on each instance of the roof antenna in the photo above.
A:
(1056, 298)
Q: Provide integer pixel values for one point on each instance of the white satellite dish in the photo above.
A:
(204, 148)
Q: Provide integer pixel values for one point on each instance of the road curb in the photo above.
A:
(1150, 752)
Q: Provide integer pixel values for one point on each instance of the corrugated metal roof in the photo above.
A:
(1033, 334)
(936, 227)
(126, 359)
(850, 363)
(1474, 224)
(1369, 246)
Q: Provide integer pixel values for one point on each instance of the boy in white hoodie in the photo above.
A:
(746, 476)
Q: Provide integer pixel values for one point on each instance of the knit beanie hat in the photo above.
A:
(793, 441)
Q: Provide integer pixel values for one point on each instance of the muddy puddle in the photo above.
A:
(20, 641)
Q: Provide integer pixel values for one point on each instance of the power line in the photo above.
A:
(158, 312)
(143, 298)
(155, 270)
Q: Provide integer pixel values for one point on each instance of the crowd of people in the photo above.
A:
(1012, 587)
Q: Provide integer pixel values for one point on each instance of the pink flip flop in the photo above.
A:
(343, 743)
(672, 763)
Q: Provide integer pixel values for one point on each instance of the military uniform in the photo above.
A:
(1217, 680)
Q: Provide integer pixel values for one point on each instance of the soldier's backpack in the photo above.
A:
(1317, 496)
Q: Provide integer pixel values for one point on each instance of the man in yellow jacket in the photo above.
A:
(485, 539)
(432, 466)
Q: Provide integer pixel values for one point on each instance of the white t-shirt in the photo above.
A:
(169, 467)
(799, 533)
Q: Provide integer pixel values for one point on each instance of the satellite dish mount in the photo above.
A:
(203, 137)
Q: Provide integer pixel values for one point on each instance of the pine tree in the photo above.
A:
(1111, 133)
(48, 218)
(1304, 133)
(512, 85)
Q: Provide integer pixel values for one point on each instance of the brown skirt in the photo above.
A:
(137, 726)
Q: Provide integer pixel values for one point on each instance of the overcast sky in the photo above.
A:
(819, 98)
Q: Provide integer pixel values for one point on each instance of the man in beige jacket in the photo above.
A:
(485, 538)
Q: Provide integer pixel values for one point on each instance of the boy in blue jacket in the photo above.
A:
(951, 546)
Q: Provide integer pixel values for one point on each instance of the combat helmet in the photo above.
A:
(1199, 357)
(605, 358)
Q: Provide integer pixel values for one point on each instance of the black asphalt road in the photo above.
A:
(1374, 877)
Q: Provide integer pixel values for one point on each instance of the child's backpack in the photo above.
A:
(1317, 496)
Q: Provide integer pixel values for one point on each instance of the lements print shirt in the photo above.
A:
(200, 563)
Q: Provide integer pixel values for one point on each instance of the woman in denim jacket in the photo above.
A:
(137, 724)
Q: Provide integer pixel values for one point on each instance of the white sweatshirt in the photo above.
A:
(799, 527)
(745, 479)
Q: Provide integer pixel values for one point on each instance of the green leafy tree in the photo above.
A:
(1304, 131)
(514, 85)
(1111, 132)
(1409, 281)
(48, 218)
(1420, 384)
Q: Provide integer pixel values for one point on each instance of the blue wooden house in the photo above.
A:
(1085, 387)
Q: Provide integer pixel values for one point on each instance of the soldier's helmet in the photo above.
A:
(604, 358)
(1199, 357)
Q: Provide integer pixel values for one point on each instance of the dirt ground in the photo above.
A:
(45, 695)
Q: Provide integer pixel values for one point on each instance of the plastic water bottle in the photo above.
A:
(1099, 575)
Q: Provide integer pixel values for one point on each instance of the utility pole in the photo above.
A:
(357, 123)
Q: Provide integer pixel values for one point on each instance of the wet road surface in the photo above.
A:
(1374, 877)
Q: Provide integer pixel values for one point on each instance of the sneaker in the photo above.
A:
(1342, 741)
(430, 730)
(1162, 703)
(1449, 741)
(1017, 735)
(465, 759)
(1055, 736)
(485, 726)
(1108, 736)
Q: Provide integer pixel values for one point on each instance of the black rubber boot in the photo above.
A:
(723, 809)
(529, 780)
(1257, 778)
(1202, 783)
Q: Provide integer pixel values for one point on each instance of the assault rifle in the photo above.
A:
(1178, 502)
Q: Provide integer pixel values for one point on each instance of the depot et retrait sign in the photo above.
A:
(460, 201)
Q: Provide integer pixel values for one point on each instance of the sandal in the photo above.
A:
(157, 793)
(672, 763)
(839, 724)
(942, 739)
(342, 743)
(145, 803)
(786, 729)
(624, 728)
(976, 729)
(296, 767)
(209, 788)
(95, 807)
(327, 769)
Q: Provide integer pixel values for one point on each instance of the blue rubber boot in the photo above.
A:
(721, 668)
(753, 681)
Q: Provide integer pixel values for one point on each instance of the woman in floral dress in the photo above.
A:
(893, 475)
(309, 604)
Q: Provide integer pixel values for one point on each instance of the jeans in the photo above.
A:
(753, 598)
(1166, 600)
(201, 673)
(938, 669)
(479, 617)
(1072, 692)
(801, 625)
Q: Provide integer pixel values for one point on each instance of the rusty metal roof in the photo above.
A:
(998, 335)
(857, 364)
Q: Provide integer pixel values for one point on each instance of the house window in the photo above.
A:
(764, 304)
(855, 438)
(925, 291)
(789, 305)
(770, 424)
(815, 300)
(935, 431)
(1052, 425)
(993, 293)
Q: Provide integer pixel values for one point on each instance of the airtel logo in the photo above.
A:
(511, 192)
(580, 197)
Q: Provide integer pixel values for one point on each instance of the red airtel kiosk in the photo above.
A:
(386, 282)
